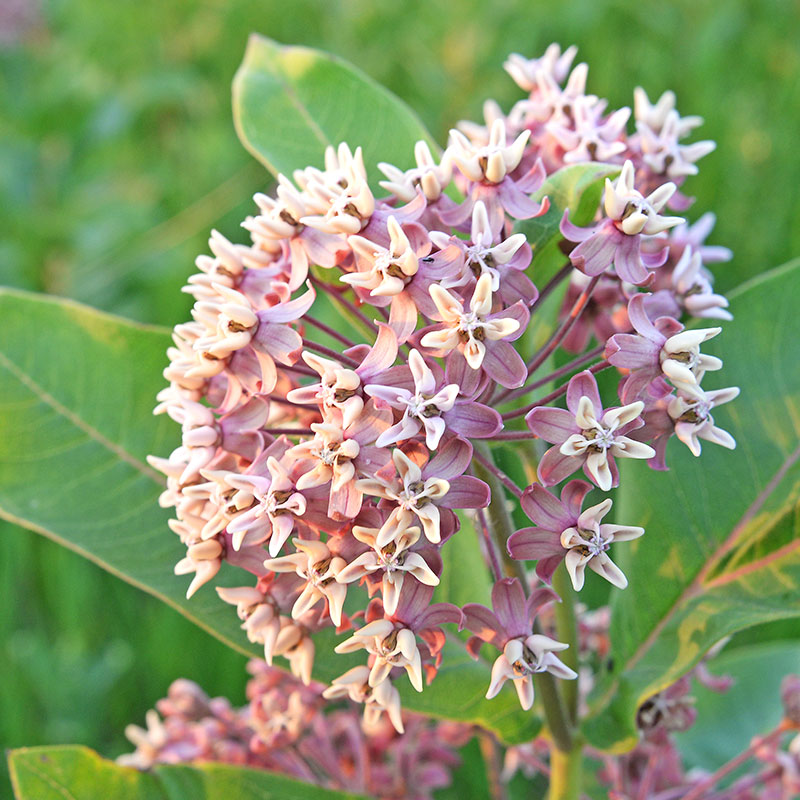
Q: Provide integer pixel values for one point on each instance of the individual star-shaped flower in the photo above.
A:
(586, 435)
(509, 627)
(478, 334)
(617, 239)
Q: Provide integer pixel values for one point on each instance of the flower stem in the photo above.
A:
(567, 631)
(565, 773)
(500, 524)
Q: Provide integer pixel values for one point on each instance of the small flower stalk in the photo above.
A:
(347, 370)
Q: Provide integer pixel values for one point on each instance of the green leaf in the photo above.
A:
(78, 773)
(290, 103)
(578, 188)
(722, 546)
(727, 721)
(77, 388)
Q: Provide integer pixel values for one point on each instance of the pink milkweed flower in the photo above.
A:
(431, 407)
(592, 137)
(478, 334)
(423, 492)
(336, 454)
(692, 288)
(393, 559)
(427, 177)
(509, 627)
(617, 239)
(318, 567)
(505, 261)
(278, 223)
(279, 505)
(583, 543)
(552, 516)
(553, 63)
(691, 409)
(340, 199)
(487, 167)
(658, 350)
(587, 435)
(340, 387)
(384, 697)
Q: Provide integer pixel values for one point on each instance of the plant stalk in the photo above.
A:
(565, 773)
(567, 631)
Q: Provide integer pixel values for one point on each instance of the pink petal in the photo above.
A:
(554, 425)
(531, 544)
(504, 364)
(584, 385)
(546, 510)
(451, 460)
(555, 466)
(508, 601)
(466, 492)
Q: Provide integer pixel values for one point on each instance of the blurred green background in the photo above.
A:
(118, 155)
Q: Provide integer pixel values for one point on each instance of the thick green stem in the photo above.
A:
(565, 773)
(567, 631)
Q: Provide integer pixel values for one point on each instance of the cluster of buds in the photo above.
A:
(288, 727)
(347, 371)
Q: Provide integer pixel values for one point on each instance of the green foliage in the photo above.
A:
(53, 773)
(728, 721)
(290, 103)
(722, 550)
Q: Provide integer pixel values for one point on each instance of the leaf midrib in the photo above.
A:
(72, 417)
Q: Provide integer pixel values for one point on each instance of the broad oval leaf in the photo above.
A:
(55, 773)
(290, 103)
(721, 550)
(77, 388)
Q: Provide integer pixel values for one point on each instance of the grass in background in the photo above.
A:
(118, 155)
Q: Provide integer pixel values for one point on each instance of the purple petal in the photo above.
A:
(537, 599)
(503, 364)
(555, 466)
(545, 510)
(382, 355)
(452, 459)
(594, 256)
(572, 232)
(628, 261)
(415, 599)
(640, 320)
(584, 385)
(519, 312)
(531, 544)
(483, 623)
(439, 614)
(283, 343)
(572, 496)
(466, 492)
(508, 601)
(473, 419)
(632, 351)
(546, 567)
(554, 425)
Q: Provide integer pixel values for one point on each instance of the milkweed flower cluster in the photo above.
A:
(288, 727)
(347, 371)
